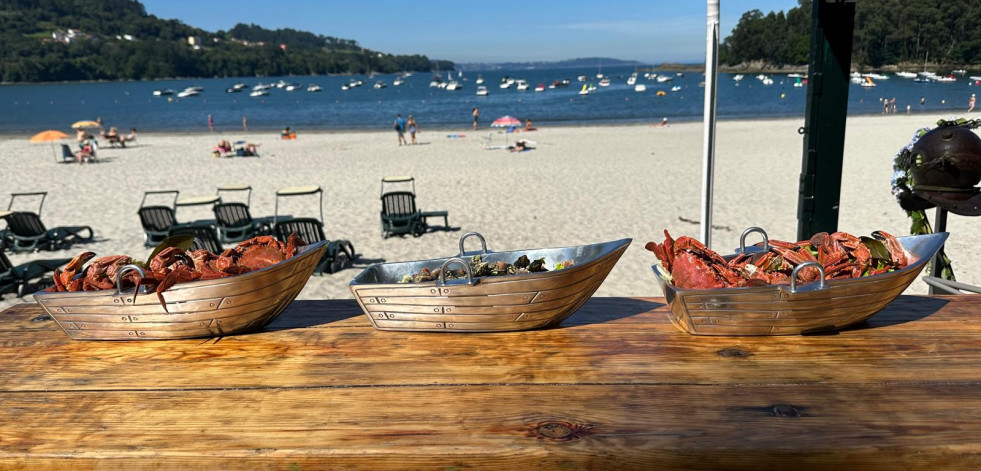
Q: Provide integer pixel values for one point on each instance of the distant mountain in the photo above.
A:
(578, 63)
(72, 40)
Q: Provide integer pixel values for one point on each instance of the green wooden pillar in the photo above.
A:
(824, 122)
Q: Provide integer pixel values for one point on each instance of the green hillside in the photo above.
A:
(72, 40)
(887, 32)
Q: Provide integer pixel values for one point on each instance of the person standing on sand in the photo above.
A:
(922, 101)
(970, 103)
(400, 129)
(476, 115)
(413, 129)
(211, 123)
(245, 123)
(892, 103)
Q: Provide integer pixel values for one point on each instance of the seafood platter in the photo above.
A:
(485, 291)
(825, 283)
(179, 294)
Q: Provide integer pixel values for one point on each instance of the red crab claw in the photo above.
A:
(896, 251)
(63, 278)
(180, 274)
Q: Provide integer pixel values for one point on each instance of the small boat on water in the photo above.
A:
(454, 85)
(505, 303)
(188, 92)
(604, 82)
(664, 78)
(737, 77)
(314, 88)
(905, 74)
(640, 87)
(379, 85)
(398, 81)
(868, 83)
(259, 93)
(521, 84)
(481, 90)
(585, 89)
(480, 79)
(164, 92)
(540, 87)
(293, 87)
(676, 88)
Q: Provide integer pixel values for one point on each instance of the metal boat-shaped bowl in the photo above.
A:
(787, 310)
(487, 304)
(207, 308)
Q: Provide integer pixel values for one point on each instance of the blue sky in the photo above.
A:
(650, 31)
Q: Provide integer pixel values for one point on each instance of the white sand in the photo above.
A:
(580, 185)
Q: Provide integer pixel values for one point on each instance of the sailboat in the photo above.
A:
(585, 90)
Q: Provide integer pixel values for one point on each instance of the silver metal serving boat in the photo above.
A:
(484, 304)
(206, 308)
(792, 309)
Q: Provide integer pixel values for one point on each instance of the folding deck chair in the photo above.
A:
(157, 220)
(17, 279)
(204, 237)
(234, 220)
(399, 214)
(340, 253)
(26, 232)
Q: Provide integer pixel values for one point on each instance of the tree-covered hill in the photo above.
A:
(887, 32)
(69, 40)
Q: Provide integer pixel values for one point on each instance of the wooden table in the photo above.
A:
(617, 386)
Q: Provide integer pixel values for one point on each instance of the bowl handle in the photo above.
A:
(123, 271)
(466, 266)
(822, 284)
(483, 243)
(748, 231)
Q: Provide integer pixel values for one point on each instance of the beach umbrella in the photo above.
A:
(506, 122)
(51, 136)
(708, 116)
(84, 124)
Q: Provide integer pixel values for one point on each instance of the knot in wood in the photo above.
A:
(784, 410)
(731, 352)
(560, 431)
(42, 318)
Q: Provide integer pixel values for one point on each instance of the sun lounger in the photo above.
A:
(18, 279)
(27, 232)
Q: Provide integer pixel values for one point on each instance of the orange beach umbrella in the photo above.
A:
(49, 136)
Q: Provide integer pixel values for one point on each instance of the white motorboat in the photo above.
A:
(605, 82)
(262, 86)
(664, 78)
(481, 90)
(905, 74)
(676, 88)
(949, 78)
(188, 93)
(521, 84)
(379, 85)
(453, 85)
(640, 87)
(632, 79)
(262, 92)
(164, 92)
(737, 77)
(398, 81)
(480, 79)
(540, 87)
(314, 88)
(975, 77)
(293, 87)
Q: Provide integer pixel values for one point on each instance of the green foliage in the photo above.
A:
(161, 48)
(947, 32)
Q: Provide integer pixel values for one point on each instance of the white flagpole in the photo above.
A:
(711, 88)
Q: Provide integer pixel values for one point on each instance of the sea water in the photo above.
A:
(131, 104)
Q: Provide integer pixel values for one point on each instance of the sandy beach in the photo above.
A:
(579, 185)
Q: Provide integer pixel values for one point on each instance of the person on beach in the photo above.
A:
(211, 123)
(400, 129)
(86, 152)
(892, 104)
(131, 136)
(413, 129)
(287, 133)
(476, 115)
(529, 126)
(922, 101)
(663, 124)
(245, 123)
(970, 103)
(885, 106)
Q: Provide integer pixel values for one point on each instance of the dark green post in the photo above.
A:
(824, 122)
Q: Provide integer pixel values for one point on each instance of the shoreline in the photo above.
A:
(580, 185)
(464, 129)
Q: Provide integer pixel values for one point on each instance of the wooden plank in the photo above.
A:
(338, 347)
(801, 427)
